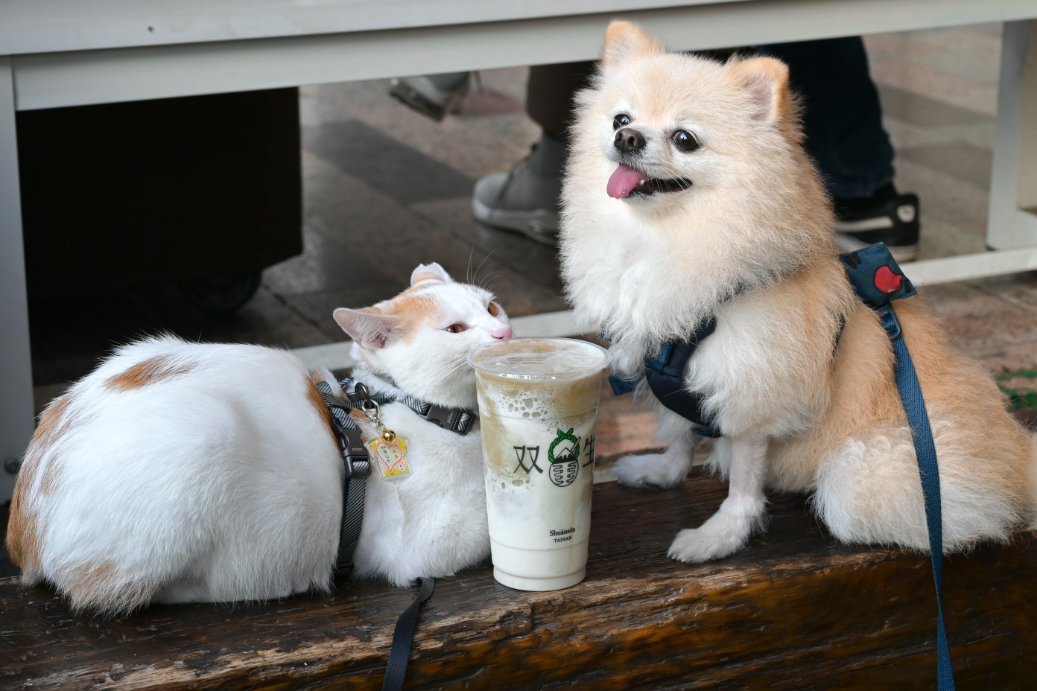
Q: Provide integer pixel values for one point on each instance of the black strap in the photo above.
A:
(456, 420)
(352, 522)
(357, 465)
(403, 637)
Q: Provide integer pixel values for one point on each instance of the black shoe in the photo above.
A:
(887, 217)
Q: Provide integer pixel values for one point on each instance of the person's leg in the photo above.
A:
(526, 198)
(842, 121)
(549, 94)
(842, 116)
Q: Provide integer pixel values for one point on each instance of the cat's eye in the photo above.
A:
(493, 309)
(456, 328)
(621, 120)
(685, 141)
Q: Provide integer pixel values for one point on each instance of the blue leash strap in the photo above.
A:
(878, 280)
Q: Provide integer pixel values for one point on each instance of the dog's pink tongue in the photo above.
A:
(623, 182)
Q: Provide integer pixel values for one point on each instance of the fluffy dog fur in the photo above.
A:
(742, 231)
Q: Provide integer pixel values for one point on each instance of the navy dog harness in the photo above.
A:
(664, 373)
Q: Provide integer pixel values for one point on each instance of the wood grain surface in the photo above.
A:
(794, 609)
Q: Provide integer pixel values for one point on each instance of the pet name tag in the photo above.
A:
(391, 455)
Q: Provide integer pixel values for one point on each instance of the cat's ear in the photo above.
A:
(429, 272)
(367, 326)
(625, 41)
(767, 81)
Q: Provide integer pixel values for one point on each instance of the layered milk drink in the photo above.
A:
(538, 404)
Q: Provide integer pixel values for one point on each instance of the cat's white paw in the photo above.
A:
(650, 470)
(695, 545)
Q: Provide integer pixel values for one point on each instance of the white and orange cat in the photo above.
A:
(185, 472)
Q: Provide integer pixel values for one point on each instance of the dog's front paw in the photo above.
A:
(650, 470)
(724, 533)
(694, 545)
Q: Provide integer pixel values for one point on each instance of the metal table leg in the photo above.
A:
(16, 405)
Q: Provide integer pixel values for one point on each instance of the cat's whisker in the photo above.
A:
(469, 277)
(488, 282)
(474, 278)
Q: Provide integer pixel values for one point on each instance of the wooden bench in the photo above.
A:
(794, 608)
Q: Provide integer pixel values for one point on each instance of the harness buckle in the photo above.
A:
(453, 419)
(357, 460)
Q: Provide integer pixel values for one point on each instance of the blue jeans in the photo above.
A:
(842, 117)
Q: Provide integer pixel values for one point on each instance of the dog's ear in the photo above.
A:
(767, 82)
(625, 41)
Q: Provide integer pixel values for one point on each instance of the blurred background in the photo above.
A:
(384, 188)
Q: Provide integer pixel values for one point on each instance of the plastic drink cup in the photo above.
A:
(538, 405)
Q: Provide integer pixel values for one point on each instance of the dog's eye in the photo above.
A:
(456, 328)
(685, 141)
(621, 120)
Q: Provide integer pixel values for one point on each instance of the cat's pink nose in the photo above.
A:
(503, 333)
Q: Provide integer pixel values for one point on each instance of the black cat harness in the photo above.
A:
(357, 464)
(878, 280)
(355, 457)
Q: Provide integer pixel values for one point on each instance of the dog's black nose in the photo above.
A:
(629, 141)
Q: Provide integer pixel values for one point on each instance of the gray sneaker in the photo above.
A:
(432, 95)
(527, 198)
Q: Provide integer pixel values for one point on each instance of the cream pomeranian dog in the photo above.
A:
(688, 200)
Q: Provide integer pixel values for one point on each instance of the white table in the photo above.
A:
(74, 52)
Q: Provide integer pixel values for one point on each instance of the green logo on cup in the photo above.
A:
(564, 455)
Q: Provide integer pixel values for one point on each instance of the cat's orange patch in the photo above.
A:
(52, 421)
(147, 372)
(90, 583)
(413, 310)
(23, 541)
(317, 401)
(51, 475)
(55, 420)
